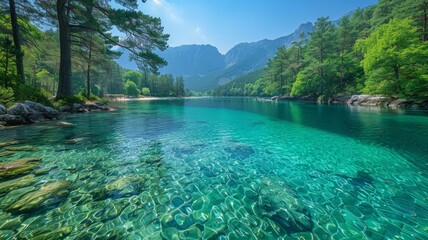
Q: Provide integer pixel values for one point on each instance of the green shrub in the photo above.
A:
(131, 89)
(104, 101)
(25, 92)
(6, 96)
(145, 91)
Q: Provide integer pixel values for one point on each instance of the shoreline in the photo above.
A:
(124, 99)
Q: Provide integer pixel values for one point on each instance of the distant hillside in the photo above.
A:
(203, 67)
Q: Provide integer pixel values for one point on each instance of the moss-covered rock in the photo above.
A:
(56, 234)
(5, 144)
(6, 153)
(279, 202)
(124, 186)
(10, 185)
(48, 194)
(18, 167)
(26, 148)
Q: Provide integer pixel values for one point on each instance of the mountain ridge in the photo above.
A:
(204, 67)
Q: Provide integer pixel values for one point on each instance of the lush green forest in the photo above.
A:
(382, 49)
(66, 48)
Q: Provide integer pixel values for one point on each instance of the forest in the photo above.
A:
(378, 50)
(68, 49)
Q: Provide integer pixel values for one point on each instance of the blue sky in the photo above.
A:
(225, 23)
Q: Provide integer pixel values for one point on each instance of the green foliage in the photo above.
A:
(145, 91)
(381, 49)
(25, 92)
(134, 76)
(131, 89)
(395, 60)
(6, 96)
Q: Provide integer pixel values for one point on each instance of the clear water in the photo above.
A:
(197, 168)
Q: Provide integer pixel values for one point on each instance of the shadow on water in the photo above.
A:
(403, 130)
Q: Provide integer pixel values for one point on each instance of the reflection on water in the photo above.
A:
(218, 169)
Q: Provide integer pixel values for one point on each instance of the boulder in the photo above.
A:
(279, 202)
(95, 107)
(18, 167)
(358, 99)
(49, 194)
(400, 103)
(3, 109)
(66, 108)
(47, 112)
(10, 185)
(24, 111)
(10, 119)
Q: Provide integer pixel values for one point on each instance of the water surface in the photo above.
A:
(224, 168)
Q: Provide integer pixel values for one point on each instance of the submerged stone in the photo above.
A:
(6, 153)
(48, 194)
(362, 179)
(124, 186)
(280, 203)
(5, 144)
(10, 185)
(21, 148)
(240, 151)
(55, 234)
(18, 167)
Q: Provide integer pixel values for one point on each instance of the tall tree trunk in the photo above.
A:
(64, 85)
(17, 41)
(6, 68)
(88, 74)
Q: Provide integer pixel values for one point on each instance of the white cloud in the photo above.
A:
(197, 30)
(158, 2)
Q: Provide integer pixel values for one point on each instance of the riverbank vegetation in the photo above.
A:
(379, 50)
(67, 49)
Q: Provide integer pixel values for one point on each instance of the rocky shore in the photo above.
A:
(31, 112)
(361, 100)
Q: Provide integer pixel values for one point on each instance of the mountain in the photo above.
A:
(192, 60)
(203, 67)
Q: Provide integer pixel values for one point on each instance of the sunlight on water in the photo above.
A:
(221, 169)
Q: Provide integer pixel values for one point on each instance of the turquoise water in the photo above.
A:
(226, 169)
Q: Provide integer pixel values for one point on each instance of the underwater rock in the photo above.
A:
(21, 148)
(362, 178)
(10, 185)
(124, 186)
(6, 153)
(280, 203)
(49, 194)
(5, 144)
(65, 124)
(240, 151)
(153, 154)
(75, 140)
(18, 167)
(55, 234)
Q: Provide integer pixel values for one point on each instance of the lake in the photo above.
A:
(221, 168)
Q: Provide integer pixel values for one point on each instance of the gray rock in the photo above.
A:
(47, 112)
(401, 103)
(24, 111)
(66, 108)
(77, 106)
(10, 119)
(3, 109)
